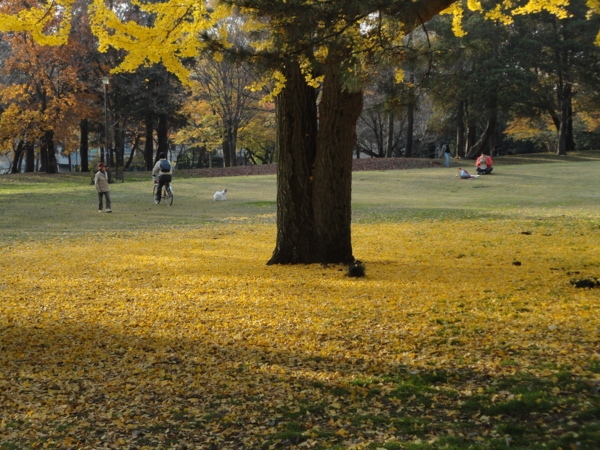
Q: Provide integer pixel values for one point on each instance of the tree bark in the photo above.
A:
(296, 151)
(410, 123)
(226, 151)
(564, 120)
(201, 153)
(149, 144)
(132, 154)
(390, 136)
(48, 145)
(17, 157)
(162, 134)
(30, 162)
(477, 149)
(314, 156)
(471, 130)
(84, 144)
(43, 156)
(338, 113)
(460, 130)
(570, 136)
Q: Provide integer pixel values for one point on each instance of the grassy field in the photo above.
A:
(520, 187)
(162, 327)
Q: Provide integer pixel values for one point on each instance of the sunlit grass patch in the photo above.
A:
(186, 337)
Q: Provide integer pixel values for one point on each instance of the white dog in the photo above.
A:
(220, 195)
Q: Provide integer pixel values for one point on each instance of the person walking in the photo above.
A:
(101, 183)
(447, 153)
(163, 170)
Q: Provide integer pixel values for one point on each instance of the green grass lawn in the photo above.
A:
(524, 187)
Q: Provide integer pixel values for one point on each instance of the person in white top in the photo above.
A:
(164, 171)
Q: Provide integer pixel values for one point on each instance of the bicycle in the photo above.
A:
(167, 193)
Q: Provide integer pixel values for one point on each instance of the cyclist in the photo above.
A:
(163, 170)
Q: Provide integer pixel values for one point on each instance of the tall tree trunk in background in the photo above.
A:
(226, 151)
(460, 130)
(18, 155)
(296, 107)
(30, 162)
(119, 142)
(84, 144)
(570, 136)
(201, 153)
(390, 136)
(133, 150)
(479, 146)
(471, 129)
(410, 122)
(20, 162)
(43, 156)
(48, 145)
(564, 120)
(555, 118)
(493, 131)
(231, 138)
(149, 144)
(162, 134)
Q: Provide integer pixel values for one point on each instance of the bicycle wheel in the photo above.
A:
(168, 195)
(156, 202)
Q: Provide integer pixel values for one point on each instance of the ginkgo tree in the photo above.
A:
(308, 45)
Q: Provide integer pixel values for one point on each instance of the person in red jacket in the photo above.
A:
(484, 164)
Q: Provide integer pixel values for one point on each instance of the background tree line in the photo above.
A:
(528, 86)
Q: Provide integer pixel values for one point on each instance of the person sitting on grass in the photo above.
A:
(484, 164)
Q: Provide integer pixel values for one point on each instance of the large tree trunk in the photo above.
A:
(314, 176)
(84, 144)
(296, 151)
(162, 135)
(332, 188)
(149, 144)
(460, 130)
(314, 159)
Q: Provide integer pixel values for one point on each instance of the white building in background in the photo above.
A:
(72, 162)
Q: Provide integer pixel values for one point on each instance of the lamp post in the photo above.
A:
(105, 81)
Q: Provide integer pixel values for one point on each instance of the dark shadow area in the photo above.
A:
(100, 387)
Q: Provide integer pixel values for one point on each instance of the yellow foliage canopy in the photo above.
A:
(178, 24)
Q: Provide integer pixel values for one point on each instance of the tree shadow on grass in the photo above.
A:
(98, 387)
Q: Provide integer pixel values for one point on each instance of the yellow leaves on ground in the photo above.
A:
(187, 337)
